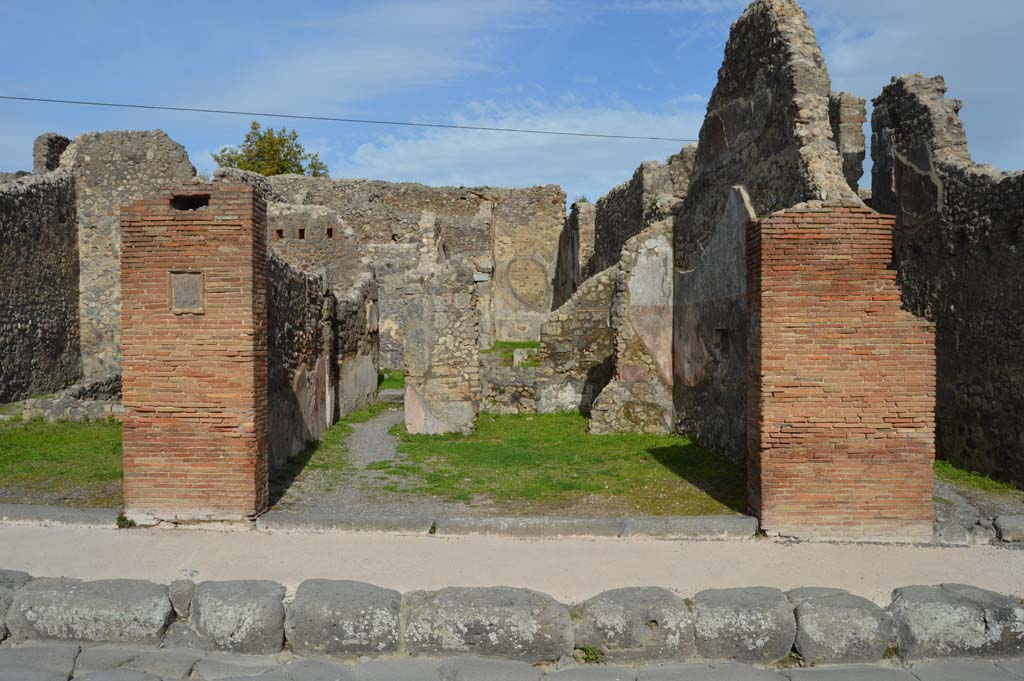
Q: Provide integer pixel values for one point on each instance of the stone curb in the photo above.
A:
(351, 619)
(329, 522)
(32, 514)
(531, 526)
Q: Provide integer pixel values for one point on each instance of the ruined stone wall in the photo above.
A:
(639, 397)
(111, 170)
(581, 223)
(397, 284)
(516, 231)
(957, 249)
(652, 194)
(300, 329)
(39, 338)
(194, 276)
(46, 152)
(842, 431)
(768, 130)
(848, 114)
(314, 239)
(357, 347)
(11, 177)
(577, 347)
(507, 389)
(527, 225)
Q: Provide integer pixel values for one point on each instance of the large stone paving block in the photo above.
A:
(120, 610)
(38, 662)
(724, 671)
(852, 672)
(834, 627)
(647, 622)
(240, 616)
(961, 670)
(955, 620)
(477, 669)
(748, 625)
(10, 581)
(494, 621)
(1010, 528)
(343, 618)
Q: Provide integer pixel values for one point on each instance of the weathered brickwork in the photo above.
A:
(577, 347)
(639, 398)
(653, 193)
(848, 114)
(767, 130)
(195, 353)
(39, 341)
(111, 170)
(957, 242)
(841, 432)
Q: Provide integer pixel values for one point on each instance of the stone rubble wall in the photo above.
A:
(111, 170)
(581, 224)
(357, 344)
(93, 398)
(442, 348)
(577, 347)
(767, 130)
(300, 334)
(848, 114)
(314, 239)
(957, 251)
(507, 389)
(46, 152)
(754, 625)
(652, 194)
(517, 230)
(397, 286)
(39, 265)
(639, 397)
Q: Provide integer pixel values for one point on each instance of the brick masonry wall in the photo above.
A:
(841, 429)
(195, 378)
(39, 342)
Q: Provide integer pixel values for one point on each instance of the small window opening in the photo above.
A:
(302, 234)
(330, 232)
(278, 234)
(190, 201)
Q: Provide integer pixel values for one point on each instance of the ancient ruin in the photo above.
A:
(749, 291)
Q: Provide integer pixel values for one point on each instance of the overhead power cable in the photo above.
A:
(333, 119)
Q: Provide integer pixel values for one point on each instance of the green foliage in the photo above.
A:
(124, 522)
(548, 462)
(591, 654)
(890, 652)
(947, 472)
(391, 379)
(64, 462)
(506, 349)
(272, 152)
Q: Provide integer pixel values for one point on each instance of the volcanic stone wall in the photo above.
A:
(39, 338)
(848, 113)
(653, 192)
(112, 169)
(194, 276)
(314, 239)
(300, 316)
(957, 248)
(842, 392)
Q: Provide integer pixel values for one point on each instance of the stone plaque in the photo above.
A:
(187, 292)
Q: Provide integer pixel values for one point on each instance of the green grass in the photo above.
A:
(391, 379)
(62, 462)
(947, 472)
(507, 348)
(548, 463)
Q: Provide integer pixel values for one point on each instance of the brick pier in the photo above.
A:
(193, 277)
(841, 426)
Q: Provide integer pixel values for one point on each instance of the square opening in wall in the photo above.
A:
(187, 295)
(330, 232)
(302, 234)
(278, 234)
(190, 201)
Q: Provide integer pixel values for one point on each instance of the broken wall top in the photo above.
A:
(767, 126)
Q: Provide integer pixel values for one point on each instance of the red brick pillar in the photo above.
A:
(193, 279)
(841, 425)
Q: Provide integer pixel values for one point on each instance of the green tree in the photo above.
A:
(271, 152)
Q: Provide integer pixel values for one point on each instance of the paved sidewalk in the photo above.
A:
(570, 569)
(59, 662)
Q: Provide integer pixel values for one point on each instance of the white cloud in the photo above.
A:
(583, 166)
(377, 50)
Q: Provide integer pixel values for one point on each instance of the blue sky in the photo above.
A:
(641, 67)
